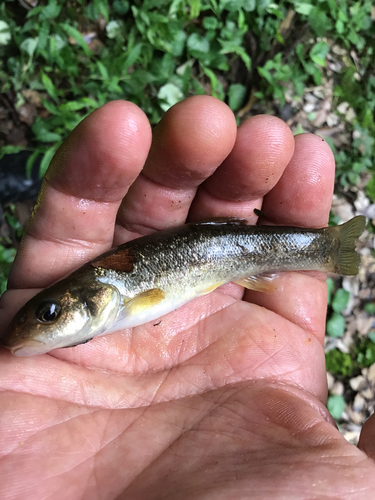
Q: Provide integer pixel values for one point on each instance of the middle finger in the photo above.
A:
(191, 141)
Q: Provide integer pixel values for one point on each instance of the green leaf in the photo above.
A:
(29, 45)
(198, 44)
(121, 6)
(50, 107)
(48, 155)
(340, 27)
(102, 7)
(313, 70)
(319, 21)
(217, 88)
(340, 300)
(370, 308)
(210, 23)
(5, 35)
(336, 325)
(166, 68)
(132, 56)
(236, 96)
(365, 352)
(336, 405)
(319, 53)
(103, 70)
(77, 105)
(178, 43)
(44, 32)
(49, 137)
(74, 33)
(195, 7)
(168, 95)
(114, 29)
(330, 289)
(57, 43)
(49, 86)
(244, 56)
(30, 162)
(7, 254)
(370, 188)
(339, 363)
(50, 11)
(236, 5)
(10, 149)
(303, 8)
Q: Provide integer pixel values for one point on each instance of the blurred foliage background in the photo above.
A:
(309, 62)
(68, 58)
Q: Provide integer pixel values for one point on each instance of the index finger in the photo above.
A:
(83, 188)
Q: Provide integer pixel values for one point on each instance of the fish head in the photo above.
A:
(63, 315)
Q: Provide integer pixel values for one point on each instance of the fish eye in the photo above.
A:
(48, 311)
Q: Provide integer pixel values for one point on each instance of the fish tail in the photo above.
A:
(348, 260)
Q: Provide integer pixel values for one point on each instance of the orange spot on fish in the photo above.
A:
(120, 260)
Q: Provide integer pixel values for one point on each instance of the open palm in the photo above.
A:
(221, 399)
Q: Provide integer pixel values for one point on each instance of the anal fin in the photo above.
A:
(211, 288)
(261, 283)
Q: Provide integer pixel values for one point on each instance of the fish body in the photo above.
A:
(150, 276)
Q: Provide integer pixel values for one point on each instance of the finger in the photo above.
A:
(190, 142)
(263, 149)
(302, 197)
(82, 190)
(367, 438)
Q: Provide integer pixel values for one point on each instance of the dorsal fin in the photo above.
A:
(259, 213)
(221, 220)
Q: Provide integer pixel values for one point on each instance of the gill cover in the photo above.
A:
(62, 315)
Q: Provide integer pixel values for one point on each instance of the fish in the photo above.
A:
(148, 277)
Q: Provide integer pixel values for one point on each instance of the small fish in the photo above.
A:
(146, 278)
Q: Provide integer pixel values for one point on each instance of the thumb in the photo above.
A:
(367, 438)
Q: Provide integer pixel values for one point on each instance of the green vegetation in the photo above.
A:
(350, 364)
(340, 363)
(6, 258)
(337, 302)
(336, 406)
(362, 354)
(79, 55)
(365, 352)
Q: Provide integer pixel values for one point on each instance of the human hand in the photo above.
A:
(225, 398)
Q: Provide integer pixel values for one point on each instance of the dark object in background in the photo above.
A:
(15, 185)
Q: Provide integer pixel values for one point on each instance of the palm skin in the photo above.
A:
(225, 397)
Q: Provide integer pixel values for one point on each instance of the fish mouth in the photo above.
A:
(28, 348)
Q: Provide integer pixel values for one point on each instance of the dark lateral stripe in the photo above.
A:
(122, 260)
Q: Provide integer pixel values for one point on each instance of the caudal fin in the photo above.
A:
(348, 260)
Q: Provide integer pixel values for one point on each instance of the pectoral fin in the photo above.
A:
(261, 283)
(77, 343)
(144, 300)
